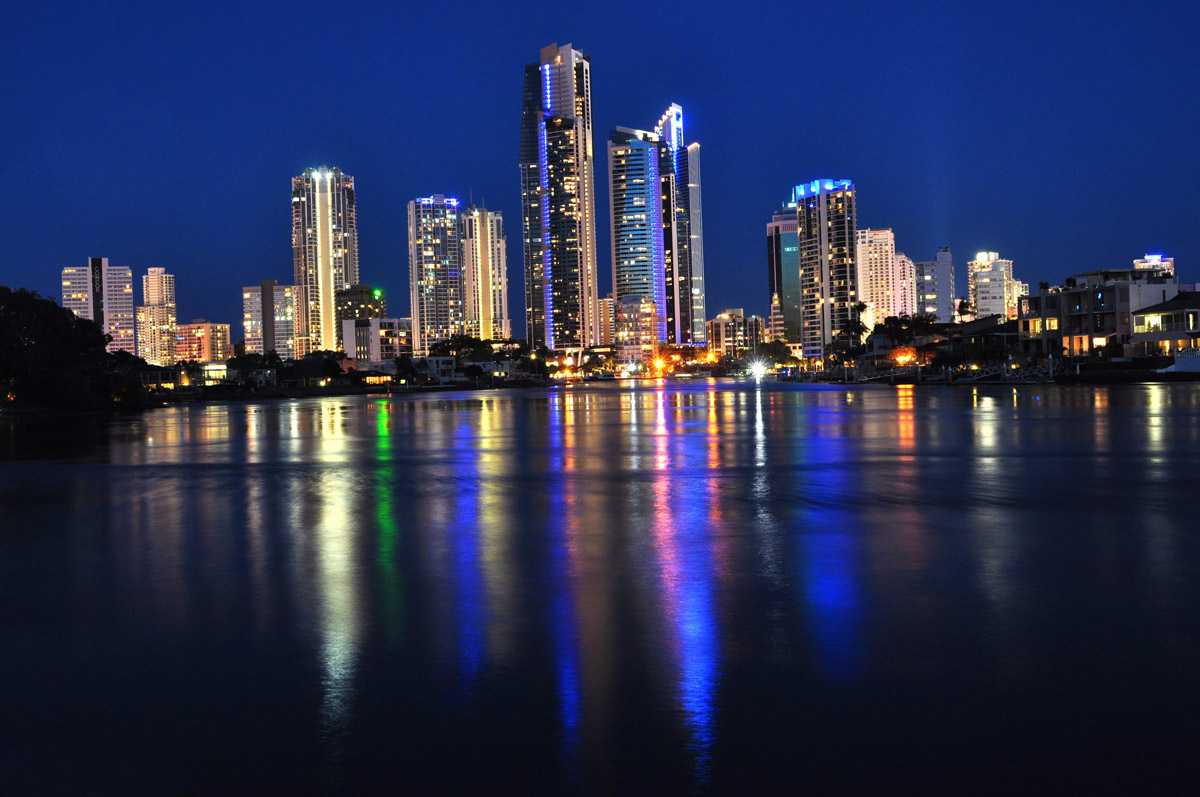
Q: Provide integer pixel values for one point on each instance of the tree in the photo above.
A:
(965, 309)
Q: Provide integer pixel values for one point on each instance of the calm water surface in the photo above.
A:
(669, 588)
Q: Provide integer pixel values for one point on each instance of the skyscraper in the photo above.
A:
(822, 265)
(269, 316)
(156, 318)
(935, 286)
(104, 294)
(357, 301)
(683, 234)
(434, 270)
(558, 201)
(637, 214)
(324, 253)
(485, 275)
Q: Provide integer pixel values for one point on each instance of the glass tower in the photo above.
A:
(558, 201)
(637, 215)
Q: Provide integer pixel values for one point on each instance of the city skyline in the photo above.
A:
(950, 184)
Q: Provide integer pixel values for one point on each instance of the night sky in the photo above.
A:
(1063, 136)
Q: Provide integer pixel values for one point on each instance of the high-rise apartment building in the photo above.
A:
(104, 294)
(994, 290)
(485, 275)
(638, 322)
(637, 215)
(269, 319)
(935, 286)
(155, 318)
(434, 270)
(558, 201)
(885, 279)
(816, 281)
(906, 293)
(608, 320)
(202, 342)
(324, 253)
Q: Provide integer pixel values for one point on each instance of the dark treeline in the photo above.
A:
(51, 358)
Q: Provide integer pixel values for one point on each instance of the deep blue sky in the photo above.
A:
(1064, 136)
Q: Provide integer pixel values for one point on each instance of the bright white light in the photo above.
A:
(758, 369)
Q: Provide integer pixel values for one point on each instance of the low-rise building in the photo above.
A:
(732, 334)
(1167, 327)
(1090, 312)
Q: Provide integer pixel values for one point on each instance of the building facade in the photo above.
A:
(434, 270)
(324, 253)
(485, 275)
(269, 319)
(935, 286)
(638, 325)
(377, 340)
(203, 342)
(155, 322)
(558, 201)
(783, 269)
(104, 294)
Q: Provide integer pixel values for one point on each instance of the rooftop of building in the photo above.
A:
(1184, 300)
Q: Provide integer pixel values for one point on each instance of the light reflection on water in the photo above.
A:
(597, 587)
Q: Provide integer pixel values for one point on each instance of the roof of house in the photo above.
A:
(1184, 300)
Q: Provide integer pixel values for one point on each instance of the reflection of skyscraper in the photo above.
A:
(324, 252)
(269, 315)
(104, 294)
(434, 263)
(485, 275)
(823, 268)
(558, 201)
(156, 318)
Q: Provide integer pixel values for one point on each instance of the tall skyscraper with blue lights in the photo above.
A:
(683, 234)
(637, 209)
(823, 270)
(558, 201)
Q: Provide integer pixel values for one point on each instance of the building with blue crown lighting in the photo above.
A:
(811, 263)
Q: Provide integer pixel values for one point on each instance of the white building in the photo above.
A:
(377, 340)
(1157, 263)
(104, 294)
(485, 275)
(324, 253)
(994, 290)
(886, 279)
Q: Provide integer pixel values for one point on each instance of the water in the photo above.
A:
(671, 588)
